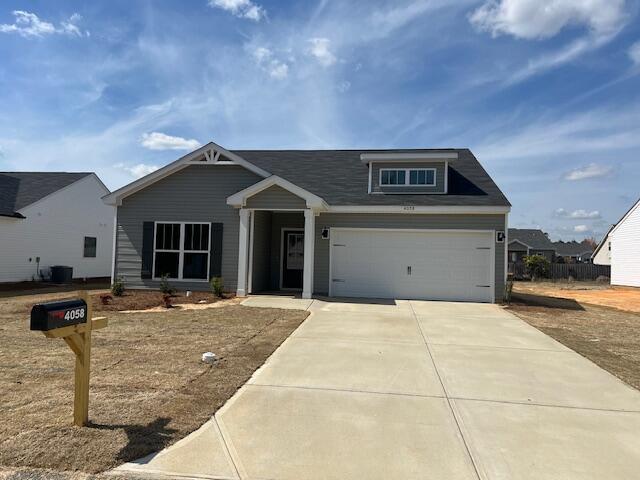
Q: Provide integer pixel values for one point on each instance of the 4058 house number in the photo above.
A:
(69, 316)
(76, 314)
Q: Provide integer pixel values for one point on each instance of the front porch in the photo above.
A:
(276, 251)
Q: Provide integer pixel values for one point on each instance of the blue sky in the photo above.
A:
(548, 99)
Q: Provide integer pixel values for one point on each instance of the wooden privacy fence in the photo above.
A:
(557, 271)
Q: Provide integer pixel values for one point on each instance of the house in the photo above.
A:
(573, 252)
(624, 241)
(602, 254)
(423, 224)
(48, 219)
(528, 241)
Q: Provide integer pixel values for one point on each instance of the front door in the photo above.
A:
(292, 258)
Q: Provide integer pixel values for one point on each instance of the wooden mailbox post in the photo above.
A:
(73, 322)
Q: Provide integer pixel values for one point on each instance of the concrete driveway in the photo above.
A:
(403, 390)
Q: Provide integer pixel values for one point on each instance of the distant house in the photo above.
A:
(624, 241)
(51, 219)
(573, 252)
(602, 253)
(526, 241)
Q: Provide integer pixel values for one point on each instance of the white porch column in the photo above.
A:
(243, 253)
(309, 252)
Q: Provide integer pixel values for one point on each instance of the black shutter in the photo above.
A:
(147, 250)
(215, 256)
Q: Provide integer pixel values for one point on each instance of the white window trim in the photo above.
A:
(406, 177)
(181, 252)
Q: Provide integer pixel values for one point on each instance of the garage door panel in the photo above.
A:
(443, 265)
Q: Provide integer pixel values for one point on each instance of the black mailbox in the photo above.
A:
(47, 316)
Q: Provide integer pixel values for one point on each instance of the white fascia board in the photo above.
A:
(521, 243)
(626, 215)
(115, 198)
(239, 199)
(603, 241)
(407, 157)
(442, 209)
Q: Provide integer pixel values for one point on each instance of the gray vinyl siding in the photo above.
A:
(410, 221)
(274, 198)
(261, 268)
(438, 188)
(197, 193)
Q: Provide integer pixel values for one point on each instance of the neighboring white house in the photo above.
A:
(624, 239)
(48, 219)
(602, 253)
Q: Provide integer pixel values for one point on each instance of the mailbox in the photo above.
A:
(47, 316)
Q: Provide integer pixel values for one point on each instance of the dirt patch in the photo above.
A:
(609, 337)
(148, 385)
(146, 299)
(621, 298)
(131, 300)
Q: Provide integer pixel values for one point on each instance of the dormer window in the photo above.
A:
(407, 177)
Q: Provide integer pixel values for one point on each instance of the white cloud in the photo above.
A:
(28, 24)
(593, 170)
(266, 60)
(321, 51)
(533, 19)
(577, 214)
(241, 8)
(161, 141)
(579, 133)
(634, 53)
(139, 170)
(581, 229)
(559, 57)
(385, 21)
(344, 86)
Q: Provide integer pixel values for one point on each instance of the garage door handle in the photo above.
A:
(337, 280)
(408, 270)
(339, 245)
(483, 286)
(483, 248)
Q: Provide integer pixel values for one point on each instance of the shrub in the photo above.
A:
(508, 289)
(106, 299)
(165, 287)
(117, 288)
(217, 286)
(166, 298)
(536, 266)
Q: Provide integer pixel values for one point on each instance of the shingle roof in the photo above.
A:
(340, 178)
(531, 237)
(572, 248)
(20, 189)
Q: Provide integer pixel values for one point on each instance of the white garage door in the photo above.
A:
(428, 265)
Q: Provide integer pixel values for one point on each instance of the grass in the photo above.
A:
(149, 387)
(610, 337)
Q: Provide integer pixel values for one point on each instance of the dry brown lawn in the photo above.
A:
(610, 337)
(622, 298)
(148, 384)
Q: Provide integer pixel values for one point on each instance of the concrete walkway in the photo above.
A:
(403, 390)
